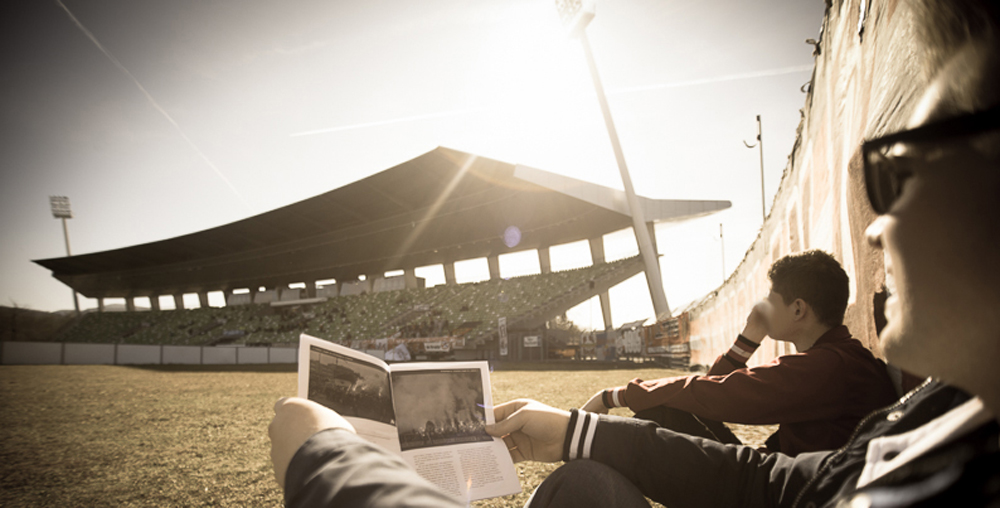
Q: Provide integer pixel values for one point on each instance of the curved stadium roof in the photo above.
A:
(440, 207)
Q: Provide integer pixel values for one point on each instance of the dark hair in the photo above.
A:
(815, 277)
(945, 26)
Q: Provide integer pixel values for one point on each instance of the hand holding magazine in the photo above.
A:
(431, 414)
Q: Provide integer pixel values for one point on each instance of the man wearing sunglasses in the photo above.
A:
(936, 187)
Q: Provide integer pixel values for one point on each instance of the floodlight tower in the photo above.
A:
(575, 15)
(61, 210)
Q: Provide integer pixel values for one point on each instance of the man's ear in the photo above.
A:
(799, 309)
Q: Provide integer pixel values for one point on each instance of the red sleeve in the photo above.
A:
(724, 365)
(797, 387)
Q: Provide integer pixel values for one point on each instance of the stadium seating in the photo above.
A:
(430, 311)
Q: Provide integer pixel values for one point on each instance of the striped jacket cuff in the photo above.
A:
(742, 350)
(614, 397)
(579, 435)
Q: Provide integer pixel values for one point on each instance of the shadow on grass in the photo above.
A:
(249, 367)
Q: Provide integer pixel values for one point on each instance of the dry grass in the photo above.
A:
(122, 436)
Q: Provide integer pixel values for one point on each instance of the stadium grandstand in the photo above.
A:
(441, 207)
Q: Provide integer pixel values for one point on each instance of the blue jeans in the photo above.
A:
(583, 483)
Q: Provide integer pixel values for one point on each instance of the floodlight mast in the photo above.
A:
(575, 15)
(61, 210)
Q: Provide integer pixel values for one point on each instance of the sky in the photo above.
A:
(159, 119)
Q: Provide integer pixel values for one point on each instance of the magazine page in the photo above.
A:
(441, 412)
(355, 385)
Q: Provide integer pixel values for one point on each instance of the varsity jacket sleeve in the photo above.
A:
(337, 468)
(678, 470)
(793, 388)
(736, 358)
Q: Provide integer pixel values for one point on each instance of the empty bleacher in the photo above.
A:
(436, 310)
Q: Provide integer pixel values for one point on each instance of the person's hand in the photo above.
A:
(295, 421)
(756, 327)
(531, 430)
(596, 404)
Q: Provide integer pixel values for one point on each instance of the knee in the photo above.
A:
(582, 472)
(583, 483)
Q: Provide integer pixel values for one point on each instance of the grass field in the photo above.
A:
(192, 436)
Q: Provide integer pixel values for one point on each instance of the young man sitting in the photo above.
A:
(816, 396)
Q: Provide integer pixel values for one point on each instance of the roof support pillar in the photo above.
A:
(494, 262)
(370, 281)
(154, 302)
(597, 250)
(100, 304)
(449, 273)
(410, 278)
(606, 310)
(130, 303)
(310, 289)
(544, 261)
(652, 236)
(203, 299)
(179, 302)
(227, 293)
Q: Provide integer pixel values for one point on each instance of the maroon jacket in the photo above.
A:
(817, 396)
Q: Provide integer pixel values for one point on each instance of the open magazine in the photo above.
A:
(431, 414)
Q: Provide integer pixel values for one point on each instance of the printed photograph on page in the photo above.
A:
(439, 407)
(350, 386)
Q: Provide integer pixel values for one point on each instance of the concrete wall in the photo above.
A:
(330, 291)
(246, 355)
(32, 353)
(389, 284)
(864, 85)
(89, 354)
(239, 299)
(132, 354)
(218, 356)
(55, 353)
(288, 294)
(355, 287)
(283, 355)
(186, 355)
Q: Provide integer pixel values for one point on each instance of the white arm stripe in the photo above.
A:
(740, 351)
(589, 439)
(574, 442)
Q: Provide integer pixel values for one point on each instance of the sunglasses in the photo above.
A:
(885, 173)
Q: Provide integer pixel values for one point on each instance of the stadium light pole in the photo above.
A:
(722, 241)
(760, 144)
(61, 210)
(575, 15)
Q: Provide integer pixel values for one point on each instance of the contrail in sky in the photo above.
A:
(718, 79)
(619, 91)
(154, 103)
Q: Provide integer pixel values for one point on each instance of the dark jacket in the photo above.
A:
(678, 470)
(337, 468)
(817, 396)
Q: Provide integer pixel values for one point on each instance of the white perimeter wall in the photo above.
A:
(55, 353)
